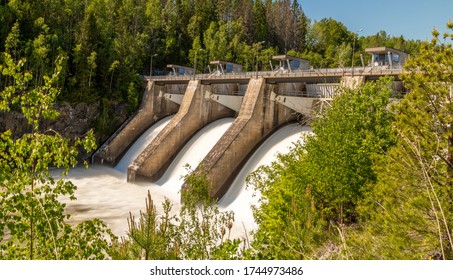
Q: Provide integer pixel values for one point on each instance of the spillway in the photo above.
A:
(193, 153)
(104, 193)
(239, 198)
(141, 143)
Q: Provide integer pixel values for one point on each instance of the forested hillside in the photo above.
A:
(109, 43)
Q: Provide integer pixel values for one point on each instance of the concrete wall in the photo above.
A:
(291, 88)
(196, 111)
(152, 108)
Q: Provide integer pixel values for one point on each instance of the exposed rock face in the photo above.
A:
(75, 120)
(15, 122)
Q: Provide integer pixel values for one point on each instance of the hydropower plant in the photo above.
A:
(229, 123)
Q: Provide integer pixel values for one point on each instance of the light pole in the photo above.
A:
(257, 53)
(353, 49)
(151, 65)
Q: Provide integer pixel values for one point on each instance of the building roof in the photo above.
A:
(177, 66)
(286, 57)
(217, 62)
(383, 50)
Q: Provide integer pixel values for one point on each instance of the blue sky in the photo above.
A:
(414, 19)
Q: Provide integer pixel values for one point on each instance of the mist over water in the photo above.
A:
(103, 191)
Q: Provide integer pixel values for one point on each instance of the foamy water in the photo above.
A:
(239, 198)
(104, 193)
(193, 153)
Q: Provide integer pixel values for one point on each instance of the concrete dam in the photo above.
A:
(260, 102)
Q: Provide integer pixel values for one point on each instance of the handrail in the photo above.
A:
(315, 72)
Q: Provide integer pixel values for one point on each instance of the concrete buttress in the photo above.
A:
(196, 111)
(152, 108)
(258, 117)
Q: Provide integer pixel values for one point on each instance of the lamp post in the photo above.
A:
(353, 49)
(257, 52)
(151, 65)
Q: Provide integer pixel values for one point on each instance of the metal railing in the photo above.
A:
(316, 72)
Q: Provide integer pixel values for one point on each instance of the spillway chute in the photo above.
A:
(193, 153)
(141, 143)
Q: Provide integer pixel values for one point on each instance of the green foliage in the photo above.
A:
(259, 21)
(104, 123)
(92, 64)
(409, 211)
(326, 35)
(346, 137)
(311, 193)
(13, 40)
(33, 224)
(150, 238)
(132, 97)
(343, 55)
(109, 42)
(289, 224)
(202, 227)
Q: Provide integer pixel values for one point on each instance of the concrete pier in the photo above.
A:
(152, 108)
(196, 111)
(259, 115)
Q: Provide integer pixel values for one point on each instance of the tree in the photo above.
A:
(149, 238)
(31, 217)
(12, 41)
(290, 226)
(324, 37)
(317, 186)
(223, 41)
(91, 60)
(202, 227)
(259, 22)
(343, 55)
(409, 211)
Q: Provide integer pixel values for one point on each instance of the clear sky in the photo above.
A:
(414, 19)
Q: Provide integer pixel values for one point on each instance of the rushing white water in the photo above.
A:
(239, 198)
(104, 193)
(193, 153)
